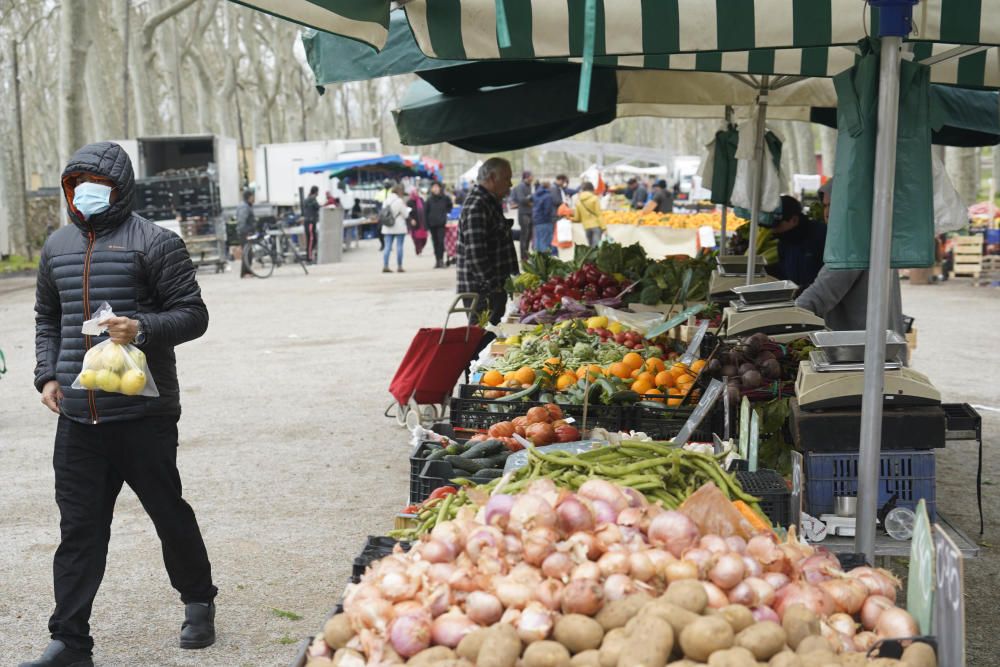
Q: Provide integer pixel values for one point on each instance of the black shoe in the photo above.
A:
(57, 654)
(198, 630)
(439, 264)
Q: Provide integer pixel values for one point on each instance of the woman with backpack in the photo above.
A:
(392, 218)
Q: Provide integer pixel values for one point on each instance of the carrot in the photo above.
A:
(755, 519)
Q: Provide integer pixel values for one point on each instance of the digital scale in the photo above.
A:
(732, 272)
(768, 308)
(833, 376)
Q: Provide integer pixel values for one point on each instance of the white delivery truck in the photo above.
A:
(276, 166)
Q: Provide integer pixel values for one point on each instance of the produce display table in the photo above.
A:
(658, 242)
(886, 547)
(352, 232)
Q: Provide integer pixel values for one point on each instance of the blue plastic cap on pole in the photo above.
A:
(895, 17)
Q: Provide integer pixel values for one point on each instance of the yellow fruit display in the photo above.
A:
(113, 358)
(711, 219)
(597, 322)
(133, 382)
(92, 359)
(616, 327)
(88, 378)
(108, 380)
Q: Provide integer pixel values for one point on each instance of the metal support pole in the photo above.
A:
(878, 297)
(725, 209)
(757, 177)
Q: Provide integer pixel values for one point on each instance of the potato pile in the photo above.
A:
(676, 629)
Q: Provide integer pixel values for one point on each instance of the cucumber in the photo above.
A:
(624, 396)
(468, 465)
(490, 473)
(483, 449)
(438, 454)
(523, 393)
(501, 458)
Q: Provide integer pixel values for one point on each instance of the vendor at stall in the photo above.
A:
(662, 201)
(800, 245)
(840, 296)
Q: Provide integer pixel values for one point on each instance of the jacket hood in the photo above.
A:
(108, 160)
(587, 195)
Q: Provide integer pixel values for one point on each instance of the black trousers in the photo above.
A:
(437, 240)
(91, 463)
(496, 304)
(526, 228)
(310, 228)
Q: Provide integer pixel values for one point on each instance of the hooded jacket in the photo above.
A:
(142, 270)
(588, 210)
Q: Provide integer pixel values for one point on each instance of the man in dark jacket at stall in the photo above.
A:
(310, 218)
(521, 195)
(436, 211)
(800, 245)
(637, 193)
(103, 440)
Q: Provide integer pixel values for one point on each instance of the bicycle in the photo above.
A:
(268, 248)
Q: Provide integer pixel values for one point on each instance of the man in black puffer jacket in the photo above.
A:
(106, 439)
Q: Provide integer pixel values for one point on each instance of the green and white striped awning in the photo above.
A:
(528, 29)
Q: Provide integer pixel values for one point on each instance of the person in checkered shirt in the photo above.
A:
(486, 254)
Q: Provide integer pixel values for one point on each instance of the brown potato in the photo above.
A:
(649, 646)
(455, 662)
(578, 633)
(617, 613)
(813, 643)
(738, 616)
(390, 657)
(468, 648)
(785, 659)
(546, 653)
(611, 647)
(706, 636)
(732, 657)
(319, 662)
(432, 654)
(919, 654)
(347, 657)
(337, 632)
(764, 639)
(853, 660)
(688, 594)
(589, 658)
(500, 648)
(678, 617)
(799, 622)
(684, 663)
(820, 659)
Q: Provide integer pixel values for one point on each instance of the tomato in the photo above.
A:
(411, 509)
(441, 492)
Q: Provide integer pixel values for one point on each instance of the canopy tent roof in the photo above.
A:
(377, 168)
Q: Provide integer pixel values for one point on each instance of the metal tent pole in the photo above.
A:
(757, 178)
(725, 209)
(878, 296)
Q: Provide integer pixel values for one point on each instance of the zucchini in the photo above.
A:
(624, 396)
(524, 392)
(490, 473)
(469, 465)
(483, 449)
(652, 404)
(501, 458)
(438, 454)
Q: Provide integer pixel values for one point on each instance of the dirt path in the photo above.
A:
(289, 463)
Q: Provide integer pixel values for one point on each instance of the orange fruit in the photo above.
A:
(633, 360)
(642, 386)
(684, 379)
(525, 375)
(697, 365)
(493, 378)
(566, 380)
(647, 377)
(553, 361)
(654, 365)
(674, 401)
(634, 374)
(657, 395)
(593, 370)
(510, 375)
(665, 379)
(678, 368)
(619, 369)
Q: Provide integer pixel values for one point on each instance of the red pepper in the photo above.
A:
(411, 509)
(441, 492)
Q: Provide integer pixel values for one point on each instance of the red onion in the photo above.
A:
(812, 598)
(613, 562)
(702, 558)
(674, 531)
(535, 623)
(877, 581)
(439, 600)
(640, 566)
(513, 548)
(764, 549)
(531, 511)
(618, 586)
(716, 597)
(603, 512)
(630, 516)
(843, 623)
(557, 565)
(819, 567)
(727, 571)
(714, 544)
(599, 489)
(737, 544)
(680, 569)
(582, 596)
(549, 593)
(753, 567)
(498, 509)
(608, 535)
(847, 594)
(538, 544)
(485, 539)
(572, 516)
(448, 629)
(872, 609)
(864, 641)
(586, 570)
(464, 580)
(396, 586)
(743, 594)
(436, 551)
(370, 613)
(584, 545)
(635, 498)
(449, 533)
(410, 635)
(764, 614)
(776, 579)
(483, 608)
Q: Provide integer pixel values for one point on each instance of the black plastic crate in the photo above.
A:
(849, 561)
(962, 417)
(376, 548)
(472, 412)
(664, 424)
(436, 474)
(770, 487)
(417, 462)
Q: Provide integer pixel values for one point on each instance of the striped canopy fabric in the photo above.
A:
(528, 29)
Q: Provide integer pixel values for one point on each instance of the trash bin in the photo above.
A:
(330, 235)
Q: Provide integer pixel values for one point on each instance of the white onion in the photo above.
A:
(582, 596)
(535, 623)
(812, 598)
(485, 539)
(680, 569)
(586, 570)
(448, 629)
(674, 531)
(498, 509)
(573, 516)
(613, 562)
(603, 512)
(727, 571)
(872, 609)
(549, 593)
(599, 489)
(714, 544)
(776, 579)
(409, 635)
(843, 623)
(877, 581)
(584, 545)
(864, 640)
(436, 551)
(716, 597)
(630, 516)
(396, 586)
(532, 511)
(753, 567)
(483, 608)
(640, 566)
(737, 544)
(513, 593)
(538, 544)
(847, 594)
(557, 565)
(765, 614)
(618, 586)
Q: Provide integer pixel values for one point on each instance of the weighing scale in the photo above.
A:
(833, 376)
(768, 308)
(732, 272)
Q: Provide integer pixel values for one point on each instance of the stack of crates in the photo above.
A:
(968, 255)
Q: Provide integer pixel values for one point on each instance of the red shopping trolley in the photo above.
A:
(431, 367)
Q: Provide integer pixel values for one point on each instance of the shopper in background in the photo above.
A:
(637, 193)
(393, 218)
(521, 195)
(588, 212)
(662, 201)
(800, 245)
(543, 218)
(436, 215)
(417, 220)
(486, 254)
(246, 226)
(840, 296)
(561, 192)
(310, 217)
(104, 440)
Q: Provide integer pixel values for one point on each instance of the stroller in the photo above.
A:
(431, 367)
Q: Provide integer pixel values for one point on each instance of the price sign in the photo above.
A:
(674, 321)
(744, 427)
(949, 605)
(920, 581)
(694, 348)
(796, 498)
(708, 400)
(754, 442)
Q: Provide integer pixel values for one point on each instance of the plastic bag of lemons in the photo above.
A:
(114, 368)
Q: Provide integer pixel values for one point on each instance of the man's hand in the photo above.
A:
(122, 330)
(52, 395)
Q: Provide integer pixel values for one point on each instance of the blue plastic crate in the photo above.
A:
(907, 473)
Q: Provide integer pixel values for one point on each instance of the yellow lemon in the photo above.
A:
(616, 327)
(88, 378)
(108, 380)
(133, 382)
(597, 322)
(92, 359)
(113, 358)
(138, 357)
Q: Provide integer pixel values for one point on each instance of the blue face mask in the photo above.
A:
(91, 198)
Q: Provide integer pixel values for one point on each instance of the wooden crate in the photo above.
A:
(911, 340)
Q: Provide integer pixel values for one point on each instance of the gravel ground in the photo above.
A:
(289, 463)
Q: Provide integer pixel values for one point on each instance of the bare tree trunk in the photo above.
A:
(142, 64)
(73, 49)
(960, 164)
(828, 149)
(14, 178)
